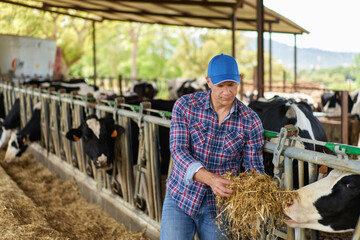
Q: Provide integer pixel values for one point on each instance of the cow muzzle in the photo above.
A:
(102, 162)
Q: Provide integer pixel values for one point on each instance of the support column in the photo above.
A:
(260, 50)
(295, 63)
(270, 59)
(94, 51)
(233, 28)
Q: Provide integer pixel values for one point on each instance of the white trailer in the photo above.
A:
(26, 57)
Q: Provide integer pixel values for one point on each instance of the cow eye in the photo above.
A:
(350, 186)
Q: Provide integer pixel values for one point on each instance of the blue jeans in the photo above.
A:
(177, 225)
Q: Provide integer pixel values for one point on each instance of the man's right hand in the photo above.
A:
(216, 182)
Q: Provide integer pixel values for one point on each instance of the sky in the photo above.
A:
(333, 24)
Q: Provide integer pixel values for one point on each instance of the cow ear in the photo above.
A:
(117, 131)
(114, 133)
(74, 134)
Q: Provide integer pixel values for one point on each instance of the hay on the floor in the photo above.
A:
(256, 202)
(36, 204)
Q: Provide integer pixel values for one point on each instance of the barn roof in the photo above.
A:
(197, 13)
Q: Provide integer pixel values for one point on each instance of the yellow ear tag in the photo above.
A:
(114, 134)
(76, 138)
(23, 139)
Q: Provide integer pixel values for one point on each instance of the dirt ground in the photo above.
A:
(39, 205)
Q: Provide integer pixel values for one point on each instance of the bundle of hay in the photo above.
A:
(256, 202)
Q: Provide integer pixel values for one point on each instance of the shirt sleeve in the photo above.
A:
(179, 142)
(252, 152)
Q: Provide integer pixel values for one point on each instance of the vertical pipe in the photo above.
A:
(295, 63)
(288, 170)
(344, 117)
(233, 28)
(301, 173)
(120, 85)
(284, 80)
(270, 58)
(260, 50)
(94, 51)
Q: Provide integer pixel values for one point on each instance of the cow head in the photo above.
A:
(99, 138)
(330, 205)
(16, 147)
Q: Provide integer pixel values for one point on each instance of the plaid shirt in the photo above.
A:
(197, 140)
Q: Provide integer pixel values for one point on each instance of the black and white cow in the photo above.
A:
(19, 141)
(331, 102)
(278, 112)
(163, 137)
(141, 90)
(81, 87)
(99, 139)
(179, 86)
(10, 123)
(330, 204)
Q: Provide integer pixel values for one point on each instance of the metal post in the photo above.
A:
(344, 117)
(233, 28)
(284, 80)
(94, 51)
(260, 50)
(270, 58)
(120, 85)
(295, 63)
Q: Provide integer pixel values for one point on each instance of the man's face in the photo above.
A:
(223, 93)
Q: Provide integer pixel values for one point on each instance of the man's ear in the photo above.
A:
(74, 134)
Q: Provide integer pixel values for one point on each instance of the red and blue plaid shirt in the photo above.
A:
(197, 140)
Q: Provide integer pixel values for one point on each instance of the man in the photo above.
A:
(211, 133)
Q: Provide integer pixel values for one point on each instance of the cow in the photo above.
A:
(163, 147)
(278, 112)
(99, 139)
(330, 204)
(10, 123)
(19, 141)
(298, 97)
(178, 87)
(331, 102)
(141, 90)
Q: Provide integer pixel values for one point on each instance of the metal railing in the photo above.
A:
(138, 180)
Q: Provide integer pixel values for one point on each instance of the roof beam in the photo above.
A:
(184, 15)
(182, 2)
(46, 8)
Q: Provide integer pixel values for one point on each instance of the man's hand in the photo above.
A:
(216, 182)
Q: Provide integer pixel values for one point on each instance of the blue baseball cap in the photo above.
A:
(223, 68)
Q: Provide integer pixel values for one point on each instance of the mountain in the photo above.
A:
(307, 58)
